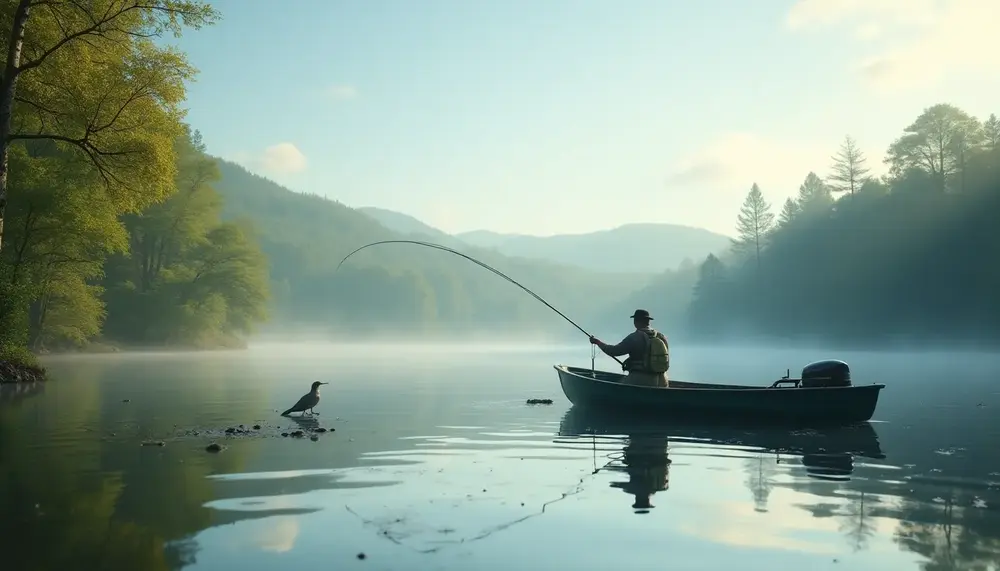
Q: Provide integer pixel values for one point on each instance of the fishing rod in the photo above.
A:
(484, 265)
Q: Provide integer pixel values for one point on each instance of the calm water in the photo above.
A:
(436, 462)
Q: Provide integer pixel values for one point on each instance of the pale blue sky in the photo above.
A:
(553, 116)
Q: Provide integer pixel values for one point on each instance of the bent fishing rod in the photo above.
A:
(483, 265)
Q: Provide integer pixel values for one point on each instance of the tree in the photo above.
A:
(189, 279)
(935, 143)
(814, 195)
(705, 312)
(788, 212)
(991, 132)
(874, 270)
(849, 170)
(754, 223)
(87, 77)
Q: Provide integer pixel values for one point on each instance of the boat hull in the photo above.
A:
(822, 405)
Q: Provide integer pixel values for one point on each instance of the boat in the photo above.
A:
(822, 395)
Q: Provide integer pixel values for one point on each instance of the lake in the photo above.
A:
(435, 461)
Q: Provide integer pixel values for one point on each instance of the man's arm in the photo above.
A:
(622, 348)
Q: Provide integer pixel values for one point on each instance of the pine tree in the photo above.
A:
(991, 132)
(788, 212)
(849, 170)
(754, 223)
(814, 195)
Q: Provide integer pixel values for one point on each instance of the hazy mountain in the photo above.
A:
(406, 224)
(399, 287)
(640, 248)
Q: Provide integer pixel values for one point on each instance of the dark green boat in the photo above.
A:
(823, 394)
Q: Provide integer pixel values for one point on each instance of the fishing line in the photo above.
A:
(481, 264)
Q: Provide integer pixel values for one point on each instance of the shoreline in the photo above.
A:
(12, 372)
(16, 370)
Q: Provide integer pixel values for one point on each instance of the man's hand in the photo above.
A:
(595, 341)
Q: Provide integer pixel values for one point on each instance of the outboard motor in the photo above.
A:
(829, 373)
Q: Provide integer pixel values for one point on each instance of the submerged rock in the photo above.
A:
(213, 447)
(154, 443)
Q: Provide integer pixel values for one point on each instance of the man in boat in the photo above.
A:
(647, 349)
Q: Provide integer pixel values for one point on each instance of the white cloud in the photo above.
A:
(730, 164)
(283, 158)
(342, 92)
(919, 40)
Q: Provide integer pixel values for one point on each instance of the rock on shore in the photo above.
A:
(16, 373)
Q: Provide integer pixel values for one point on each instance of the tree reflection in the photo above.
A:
(855, 523)
(760, 473)
(936, 517)
(75, 498)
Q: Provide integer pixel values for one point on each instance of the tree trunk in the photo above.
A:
(8, 87)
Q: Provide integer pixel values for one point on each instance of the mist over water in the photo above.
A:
(436, 462)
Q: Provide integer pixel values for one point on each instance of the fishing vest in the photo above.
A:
(655, 356)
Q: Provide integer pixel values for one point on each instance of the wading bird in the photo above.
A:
(307, 402)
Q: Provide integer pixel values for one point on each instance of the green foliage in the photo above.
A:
(96, 111)
(17, 355)
(899, 260)
(189, 278)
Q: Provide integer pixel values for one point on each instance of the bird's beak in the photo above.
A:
(324, 383)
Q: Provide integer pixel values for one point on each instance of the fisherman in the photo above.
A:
(647, 349)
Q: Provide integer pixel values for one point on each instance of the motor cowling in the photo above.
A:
(827, 373)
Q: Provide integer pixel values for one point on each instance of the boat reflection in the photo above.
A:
(824, 454)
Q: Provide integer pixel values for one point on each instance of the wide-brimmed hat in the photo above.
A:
(641, 313)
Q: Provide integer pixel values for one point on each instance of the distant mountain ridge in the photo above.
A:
(396, 289)
(631, 248)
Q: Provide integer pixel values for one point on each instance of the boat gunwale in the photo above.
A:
(570, 370)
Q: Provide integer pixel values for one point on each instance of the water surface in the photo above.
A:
(436, 462)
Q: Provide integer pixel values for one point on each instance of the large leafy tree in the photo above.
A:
(89, 111)
(936, 143)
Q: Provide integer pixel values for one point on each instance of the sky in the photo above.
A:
(569, 116)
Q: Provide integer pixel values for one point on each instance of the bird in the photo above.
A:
(307, 402)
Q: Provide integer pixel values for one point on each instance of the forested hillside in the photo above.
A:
(397, 287)
(905, 258)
